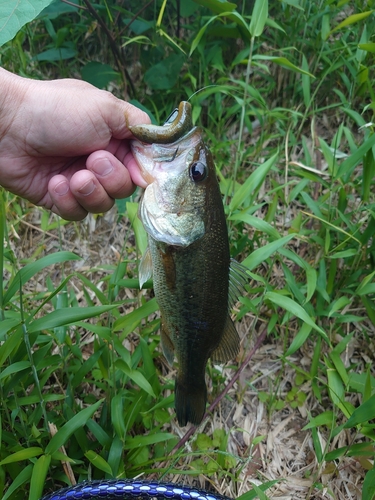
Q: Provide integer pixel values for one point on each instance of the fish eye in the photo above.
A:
(198, 171)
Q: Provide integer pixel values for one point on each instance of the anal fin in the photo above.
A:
(229, 345)
(238, 278)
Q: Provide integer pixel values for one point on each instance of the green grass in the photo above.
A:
(287, 104)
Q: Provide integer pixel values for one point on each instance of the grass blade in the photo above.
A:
(67, 316)
(27, 272)
(38, 477)
(261, 254)
(76, 422)
(295, 309)
(259, 17)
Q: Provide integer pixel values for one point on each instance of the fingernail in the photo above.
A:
(62, 188)
(102, 166)
(87, 188)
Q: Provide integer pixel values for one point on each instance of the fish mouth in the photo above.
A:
(154, 159)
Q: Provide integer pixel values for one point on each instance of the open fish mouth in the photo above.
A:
(156, 160)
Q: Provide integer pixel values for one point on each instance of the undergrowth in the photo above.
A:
(285, 95)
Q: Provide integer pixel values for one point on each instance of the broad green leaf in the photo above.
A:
(259, 224)
(98, 74)
(284, 62)
(128, 322)
(117, 416)
(339, 366)
(253, 495)
(260, 494)
(18, 456)
(355, 18)
(19, 480)
(67, 316)
(8, 324)
(368, 488)
(136, 376)
(311, 275)
(363, 414)
(86, 367)
(346, 168)
(115, 456)
(338, 304)
(258, 17)
(354, 450)
(217, 6)
(369, 47)
(140, 441)
(33, 399)
(299, 339)
(164, 75)
(252, 183)
(57, 54)
(261, 254)
(15, 14)
(350, 252)
(237, 18)
(326, 418)
(14, 368)
(100, 434)
(306, 83)
(27, 272)
(98, 462)
(329, 224)
(364, 284)
(335, 387)
(293, 3)
(368, 174)
(10, 344)
(295, 309)
(78, 421)
(139, 231)
(38, 477)
(62, 457)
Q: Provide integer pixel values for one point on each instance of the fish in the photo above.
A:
(195, 280)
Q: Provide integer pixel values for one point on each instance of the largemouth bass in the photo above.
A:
(188, 255)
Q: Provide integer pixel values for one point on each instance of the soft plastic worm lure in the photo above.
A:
(177, 125)
(130, 489)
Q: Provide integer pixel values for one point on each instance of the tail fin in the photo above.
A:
(190, 401)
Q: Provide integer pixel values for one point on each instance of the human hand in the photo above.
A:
(65, 145)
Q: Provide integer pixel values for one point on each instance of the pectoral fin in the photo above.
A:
(145, 268)
(229, 345)
(167, 344)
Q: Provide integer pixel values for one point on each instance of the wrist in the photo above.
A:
(13, 89)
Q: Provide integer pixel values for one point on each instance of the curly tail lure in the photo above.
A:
(130, 489)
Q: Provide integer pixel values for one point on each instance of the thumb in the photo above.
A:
(120, 114)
